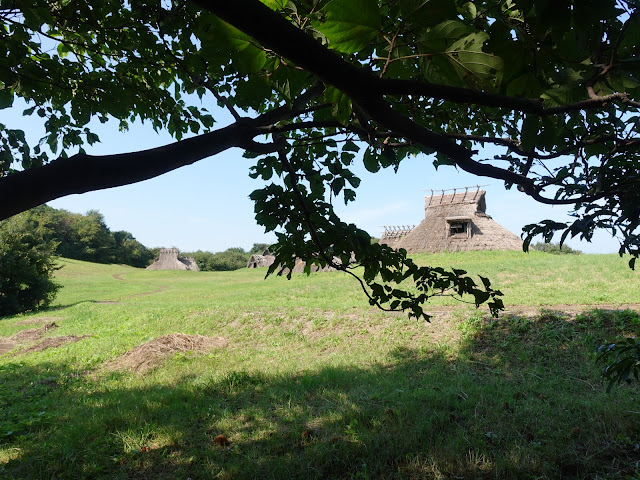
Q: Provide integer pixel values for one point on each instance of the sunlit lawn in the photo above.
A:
(314, 383)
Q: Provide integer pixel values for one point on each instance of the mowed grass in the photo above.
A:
(316, 384)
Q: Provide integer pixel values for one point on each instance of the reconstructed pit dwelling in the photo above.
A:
(169, 260)
(453, 222)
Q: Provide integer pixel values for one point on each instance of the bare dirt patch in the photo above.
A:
(37, 320)
(52, 342)
(150, 355)
(32, 334)
(6, 346)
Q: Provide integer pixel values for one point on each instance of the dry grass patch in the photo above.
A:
(32, 334)
(52, 342)
(151, 354)
(6, 346)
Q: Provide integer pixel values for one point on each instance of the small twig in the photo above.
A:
(391, 47)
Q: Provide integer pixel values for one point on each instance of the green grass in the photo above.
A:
(316, 384)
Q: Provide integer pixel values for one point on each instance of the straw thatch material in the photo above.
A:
(393, 234)
(258, 261)
(169, 260)
(300, 266)
(150, 355)
(458, 222)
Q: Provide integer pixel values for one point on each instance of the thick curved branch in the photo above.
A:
(84, 173)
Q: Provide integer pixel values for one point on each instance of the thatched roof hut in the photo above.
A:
(393, 234)
(267, 259)
(456, 222)
(258, 261)
(169, 260)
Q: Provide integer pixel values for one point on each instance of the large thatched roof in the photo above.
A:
(456, 222)
(169, 260)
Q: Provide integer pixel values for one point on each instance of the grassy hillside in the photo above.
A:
(313, 383)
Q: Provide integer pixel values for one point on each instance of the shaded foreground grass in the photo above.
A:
(312, 385)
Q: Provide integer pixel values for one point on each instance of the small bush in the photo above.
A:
(230, 259)
(555, 249)
(27, 263)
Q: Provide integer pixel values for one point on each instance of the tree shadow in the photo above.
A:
(520, 400)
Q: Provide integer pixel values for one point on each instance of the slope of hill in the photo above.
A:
(152, 374)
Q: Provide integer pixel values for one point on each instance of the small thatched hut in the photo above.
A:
(169, 260)
(258, 261)
(393, 234)
(455, 222)
(267, 259)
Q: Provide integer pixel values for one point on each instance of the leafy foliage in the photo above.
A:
(87, 237)
(622, 361)
(230, 259)
(27, 263)
(555, 248)
(327, 84)
(258, 248)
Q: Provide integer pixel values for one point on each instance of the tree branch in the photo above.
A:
(354, 81)
(83, 173)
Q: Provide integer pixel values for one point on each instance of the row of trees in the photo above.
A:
(86, 237)
(231, 259)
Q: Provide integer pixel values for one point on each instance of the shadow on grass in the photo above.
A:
(520, 400)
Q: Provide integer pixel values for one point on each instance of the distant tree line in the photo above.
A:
(31, 241)
(231, 259)
(555, 248)
(86, 237)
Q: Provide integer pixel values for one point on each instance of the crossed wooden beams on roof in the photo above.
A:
(396, 231)
(455, 191)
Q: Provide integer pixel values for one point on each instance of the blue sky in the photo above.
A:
(205, 206)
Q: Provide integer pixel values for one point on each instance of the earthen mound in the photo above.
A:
(32, 334)
(149, 355)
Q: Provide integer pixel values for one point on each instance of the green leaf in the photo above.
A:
(6, 98)
(224, 41)
(350, 146)
(275, 4)
(466, 54)
(371, 161)
(530, 132)
(341, 109)
(427, 13)
(350, 25)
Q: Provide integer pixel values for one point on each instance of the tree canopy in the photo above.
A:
(86, 237)
(311, 84)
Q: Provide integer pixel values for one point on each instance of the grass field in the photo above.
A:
(313, 383)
